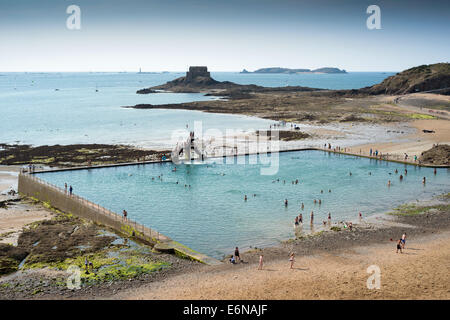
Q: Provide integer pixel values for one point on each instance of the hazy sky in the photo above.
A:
(224, 35)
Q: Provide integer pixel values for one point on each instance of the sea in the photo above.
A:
(74, 108)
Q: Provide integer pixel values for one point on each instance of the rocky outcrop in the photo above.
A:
(438, 155)
(198, 79)
(433, 77)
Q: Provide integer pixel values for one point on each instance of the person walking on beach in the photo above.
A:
(260, 265)
(70, 190)
(329, 218)
(312, 217)
(303, 206)
(403, 240)
(292, 260)
(236, 254)
(360, 216)
(125, 213)
(300, 218)
(296, 221)
(65, 188)
(399, 246)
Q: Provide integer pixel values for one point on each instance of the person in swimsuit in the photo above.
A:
(296, 221)
(70, 190)
(245, 197)
(424, 180)
(285, 202)
(260, 265)
(300, 218)
(329, 218)
(312, 217)
(389, 183)
(403, 240)
(292, 260)
(401, 177)
(236, 254)
(399, 246)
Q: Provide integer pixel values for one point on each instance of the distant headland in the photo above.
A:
(293, 71)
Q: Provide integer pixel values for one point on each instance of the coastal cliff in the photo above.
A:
(433, 78)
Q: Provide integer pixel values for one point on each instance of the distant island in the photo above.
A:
(292, 71)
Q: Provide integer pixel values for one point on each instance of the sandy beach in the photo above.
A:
(421, 272)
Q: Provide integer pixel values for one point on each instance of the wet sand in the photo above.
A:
(416, 143)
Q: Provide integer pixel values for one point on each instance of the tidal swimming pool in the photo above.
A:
(211, 215)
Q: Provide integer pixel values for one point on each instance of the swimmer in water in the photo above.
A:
(401, 177)
(320, 202)
(321, 191)
(370, 173)
(245, 197)
(300, 218)
(285, 202)
(312, 217)
(396, 171)
(350, 173)
(424, 180)
(303, 206)
(389, 183)
(296, 221)
(315, 201)
(406, 172)
(329, 190)
(435, 171)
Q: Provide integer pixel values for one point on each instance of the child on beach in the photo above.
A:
(292, 260)
(399, 246)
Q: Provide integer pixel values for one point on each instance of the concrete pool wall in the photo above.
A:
(41, 190)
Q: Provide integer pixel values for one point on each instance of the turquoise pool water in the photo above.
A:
(212, 217)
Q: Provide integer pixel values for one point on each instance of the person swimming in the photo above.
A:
(320, 202)
(303, 206)
(389, 183)
(245, 197)
(424, 180)
(285, 202)
(401, 177)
